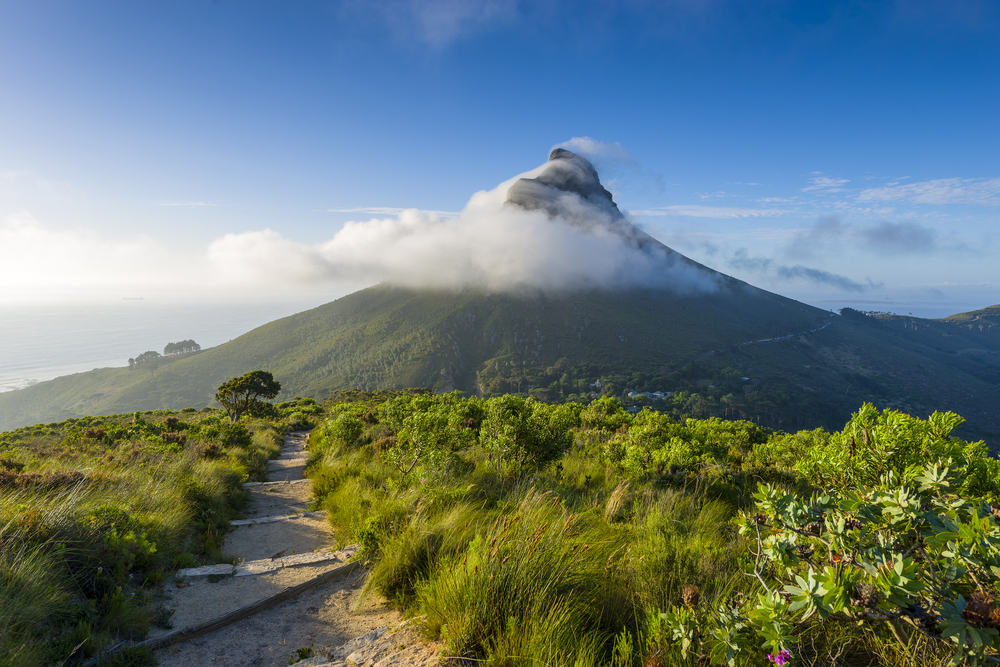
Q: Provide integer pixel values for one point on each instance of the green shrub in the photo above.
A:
(522, 435)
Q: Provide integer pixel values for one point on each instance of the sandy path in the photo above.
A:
(322, 618)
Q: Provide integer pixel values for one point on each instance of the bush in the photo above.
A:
(522, 435)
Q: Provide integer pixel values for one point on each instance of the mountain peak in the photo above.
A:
(565, 176)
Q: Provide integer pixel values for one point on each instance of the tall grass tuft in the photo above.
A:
(533, 588)
(681, 540)
(34, 591)
(618, 502)
(414, 554)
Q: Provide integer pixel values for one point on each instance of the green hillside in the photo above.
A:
(706, 347)
(386, 336)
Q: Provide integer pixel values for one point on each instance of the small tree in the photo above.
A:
(244, 393)
(433, 438)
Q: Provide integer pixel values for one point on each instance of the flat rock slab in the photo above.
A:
(265, 485)
(304, 535)
(279, 463)
(281, 517)
(265, 565)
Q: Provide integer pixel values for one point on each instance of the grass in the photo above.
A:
(96, 513)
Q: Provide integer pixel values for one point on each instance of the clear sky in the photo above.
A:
(840, 151)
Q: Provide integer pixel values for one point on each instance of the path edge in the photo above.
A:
(191, 632)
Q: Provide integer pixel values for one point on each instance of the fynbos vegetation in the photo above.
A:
(96, 512)
(584, 535)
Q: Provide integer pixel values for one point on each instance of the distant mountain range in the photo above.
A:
(684, 328)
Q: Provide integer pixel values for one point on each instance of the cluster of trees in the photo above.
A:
(181, 347)
(143, 358)
(171, 348)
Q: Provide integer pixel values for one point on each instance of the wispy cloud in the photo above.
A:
(439, 23)
(699, 211)
(741, 260)
(592, 148)
(819, 277)
(982, 191)
(186, 203)
(825, 184)
(899, 237)
(884, 237)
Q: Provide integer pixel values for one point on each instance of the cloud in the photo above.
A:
(698, 211)
(799, 272)
(884, 238)
(186, 203)
(741, 260)
(826, 229)
(33, 257)
(595, 150)
(489, 245)
(981, 191)
(896, 237)
(826, 184)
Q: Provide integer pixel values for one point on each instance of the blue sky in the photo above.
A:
(835, 152)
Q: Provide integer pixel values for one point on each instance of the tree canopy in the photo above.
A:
(182, 347)
(246, 392)
(145, 357)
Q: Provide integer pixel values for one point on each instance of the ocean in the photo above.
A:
(930, 310)
(40, 342)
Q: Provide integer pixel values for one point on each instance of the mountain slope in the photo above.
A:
(387, 336)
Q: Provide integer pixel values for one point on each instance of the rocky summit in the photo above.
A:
(570, 189)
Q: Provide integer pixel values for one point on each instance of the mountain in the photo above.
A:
(664, 323)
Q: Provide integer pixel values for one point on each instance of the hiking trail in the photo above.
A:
(278, 545)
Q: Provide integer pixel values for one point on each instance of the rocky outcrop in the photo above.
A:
(570, 189)
(566, 173)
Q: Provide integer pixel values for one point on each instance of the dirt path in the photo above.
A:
(281, 544)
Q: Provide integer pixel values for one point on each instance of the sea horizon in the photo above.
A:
(41, 342)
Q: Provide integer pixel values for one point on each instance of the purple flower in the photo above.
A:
(784, 656)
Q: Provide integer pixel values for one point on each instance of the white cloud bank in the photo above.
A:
(488, 245)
